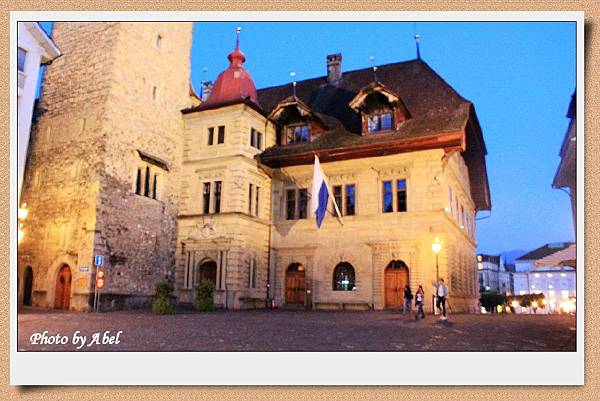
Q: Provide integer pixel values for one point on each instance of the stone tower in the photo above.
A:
(102, 178)
(225, 209)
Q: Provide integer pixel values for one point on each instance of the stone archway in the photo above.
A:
(206, 270)
(395, 279)
(27, 286)
(62, 291)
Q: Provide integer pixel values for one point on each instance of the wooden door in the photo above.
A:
(394, 282)
(295, 287)
(208, 271)
(62, 298)
(28, 286)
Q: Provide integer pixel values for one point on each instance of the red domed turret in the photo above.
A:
(235, 83)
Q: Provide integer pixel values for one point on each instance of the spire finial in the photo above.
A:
(372, 59)
(237, 37)
(293, 74)
(417, 39)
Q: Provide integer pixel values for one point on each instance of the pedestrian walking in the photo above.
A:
(408, 296)
(441, 296)
(419, 300)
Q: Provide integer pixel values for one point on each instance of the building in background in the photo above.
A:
(34, 49)
(566, 174)
(493, 275)
(540, 272)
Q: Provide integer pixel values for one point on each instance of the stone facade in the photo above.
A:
(117, 91)
(118, 170)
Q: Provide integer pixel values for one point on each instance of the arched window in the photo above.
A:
(344, 278)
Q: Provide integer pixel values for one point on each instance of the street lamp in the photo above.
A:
(436, 247)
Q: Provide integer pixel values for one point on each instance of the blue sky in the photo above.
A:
(520, 76)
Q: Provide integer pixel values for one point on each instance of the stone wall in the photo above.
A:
(99, 111)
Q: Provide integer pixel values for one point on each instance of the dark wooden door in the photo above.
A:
(62, 298)
(295, 287)
(394, 282)
(27, 286)
(208, 271)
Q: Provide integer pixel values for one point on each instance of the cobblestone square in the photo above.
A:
(297, 330)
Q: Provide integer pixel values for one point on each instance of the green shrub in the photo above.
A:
(164, 301)
(204, 296)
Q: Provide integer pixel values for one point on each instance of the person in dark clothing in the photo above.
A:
(407, 299)
(419, 300)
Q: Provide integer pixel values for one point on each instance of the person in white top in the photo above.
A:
(441, 295)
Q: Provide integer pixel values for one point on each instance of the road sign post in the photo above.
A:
(98, 261)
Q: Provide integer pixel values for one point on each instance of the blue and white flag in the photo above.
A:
(320, 194)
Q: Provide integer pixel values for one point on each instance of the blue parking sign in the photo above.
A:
(99, 260)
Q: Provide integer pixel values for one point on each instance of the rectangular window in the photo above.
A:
(337, 197)
(302, 203)
(221, 138)
(388, 197)
(217, 196)
(401, 195)
(296, 133)
(252, 274)
(255, 139)
(154, 188)
(147, 182)
(211, 136)
(379, 122)
(21, 57)
(290, 204)
(256, 206)
(350, 200)
(250, 199)
(206, 198)
(138, 182)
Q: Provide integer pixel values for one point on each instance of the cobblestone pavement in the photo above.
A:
(283, 330)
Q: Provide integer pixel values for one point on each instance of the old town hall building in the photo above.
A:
(128, 162)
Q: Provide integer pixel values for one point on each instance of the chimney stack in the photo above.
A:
(334, 68)
(207, 87)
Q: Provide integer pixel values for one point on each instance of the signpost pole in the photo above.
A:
(95, 287)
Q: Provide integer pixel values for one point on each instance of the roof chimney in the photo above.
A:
(207, 87)
(334, 68)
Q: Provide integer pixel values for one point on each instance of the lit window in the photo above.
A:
(296, 133)
(565, 294)
(480, 265)
(344, 277)
(21, 57)
(563, 274)
(549, 275)
(522, 292)
(379, 122)
(537, 275)
(551, 294)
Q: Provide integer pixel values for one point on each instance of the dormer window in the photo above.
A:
(380, 108)
(380, 122)
(296, 133)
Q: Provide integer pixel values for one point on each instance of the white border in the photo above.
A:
(299, 368)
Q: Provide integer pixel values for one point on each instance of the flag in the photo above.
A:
(320, 194)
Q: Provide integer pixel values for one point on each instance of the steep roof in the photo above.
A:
(545, 250)
(439, 118)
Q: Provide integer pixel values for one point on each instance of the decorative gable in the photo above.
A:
(296, 122)
(381, 108)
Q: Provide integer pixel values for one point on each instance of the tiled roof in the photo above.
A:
(435, 109)
(545, 250)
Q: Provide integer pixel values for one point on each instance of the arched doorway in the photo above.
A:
(344, 277)
(27, 286)
(207, 270)
(395, 279)
(295, 284)
(62, 297)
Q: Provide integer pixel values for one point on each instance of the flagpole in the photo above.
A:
(339, 215)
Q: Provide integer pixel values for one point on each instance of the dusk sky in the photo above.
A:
(520, 76)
